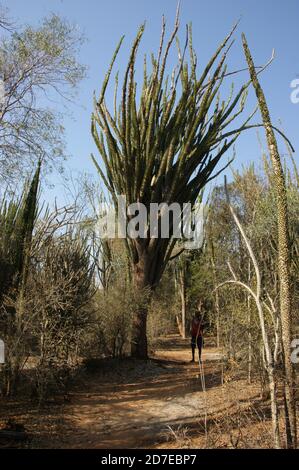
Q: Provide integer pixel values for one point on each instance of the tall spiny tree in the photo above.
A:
(164, 148)
(279, 185)
(17, 219)
(27, 225)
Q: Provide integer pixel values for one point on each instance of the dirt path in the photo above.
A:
(133, 404)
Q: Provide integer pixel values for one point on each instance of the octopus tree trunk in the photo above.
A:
(139, 347)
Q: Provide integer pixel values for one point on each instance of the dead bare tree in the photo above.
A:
(271, 355)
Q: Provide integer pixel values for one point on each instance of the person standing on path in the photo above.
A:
(197, 334)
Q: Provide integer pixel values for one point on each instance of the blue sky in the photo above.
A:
(267, 24)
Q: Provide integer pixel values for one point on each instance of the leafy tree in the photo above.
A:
(37, 64)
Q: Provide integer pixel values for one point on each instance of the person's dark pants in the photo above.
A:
(199, 345)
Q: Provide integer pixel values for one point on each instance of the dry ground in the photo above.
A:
(159, 403)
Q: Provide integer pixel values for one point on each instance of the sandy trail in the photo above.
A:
(125, 403)
(132, 404)
(159, 403)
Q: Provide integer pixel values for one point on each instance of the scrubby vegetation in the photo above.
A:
(76, 307)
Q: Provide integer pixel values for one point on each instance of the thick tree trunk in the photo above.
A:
(139, 348)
